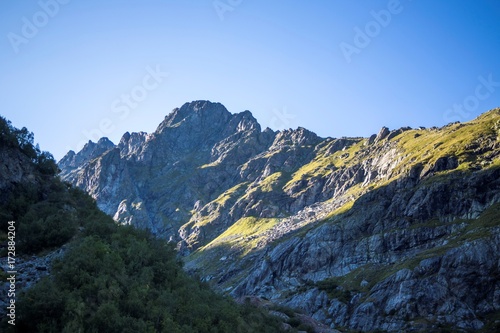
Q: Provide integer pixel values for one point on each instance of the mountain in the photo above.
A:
(398, 231)
(68, 267)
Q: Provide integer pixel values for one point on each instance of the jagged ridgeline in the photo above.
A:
(78, 271)
(393, 232)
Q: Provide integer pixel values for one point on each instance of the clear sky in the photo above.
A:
(71, 70)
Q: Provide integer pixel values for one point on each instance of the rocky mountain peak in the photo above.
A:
(131, 144)
(197, 112)
(89, 151)
(105, 142)
(382, 134)
(245, 122)
(297, 137)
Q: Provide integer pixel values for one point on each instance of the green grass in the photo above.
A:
(209, 165)
(248, 226)
(272, 182)
(231, 193)
(322, 165)
(245, 231)
(226, 198)
(341, 210)
(454, 140)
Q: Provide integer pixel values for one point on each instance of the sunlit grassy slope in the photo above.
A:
(471, 143)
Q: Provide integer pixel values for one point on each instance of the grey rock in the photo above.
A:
(382, 134)
(416, 250)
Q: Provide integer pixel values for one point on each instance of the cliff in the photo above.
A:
(396, 231)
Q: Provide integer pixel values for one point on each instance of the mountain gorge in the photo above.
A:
(398, 231)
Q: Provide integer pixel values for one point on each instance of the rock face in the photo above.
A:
(155, 180)
(29, 271)
(14, 168)
(90, 151)
(399, 231)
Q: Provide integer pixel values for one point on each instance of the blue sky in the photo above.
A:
(338, 68)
